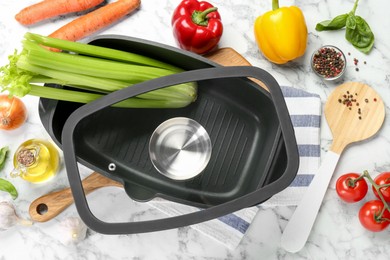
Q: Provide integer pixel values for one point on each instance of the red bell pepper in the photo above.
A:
(197, 26)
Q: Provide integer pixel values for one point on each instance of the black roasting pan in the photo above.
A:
(254, 151)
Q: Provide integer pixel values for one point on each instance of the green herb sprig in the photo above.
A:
(8, 187)
(4, 184)
(357, 32)
(3, 156)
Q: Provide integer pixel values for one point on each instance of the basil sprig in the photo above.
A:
(4, 184)
(357, 30)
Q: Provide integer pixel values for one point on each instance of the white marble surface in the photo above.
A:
(337, 233)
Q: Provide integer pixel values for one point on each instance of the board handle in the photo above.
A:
(50, 205)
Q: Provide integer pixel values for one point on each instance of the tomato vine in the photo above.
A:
(374, 215)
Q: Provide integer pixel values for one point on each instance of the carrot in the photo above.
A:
(50, 8)
(96, 20)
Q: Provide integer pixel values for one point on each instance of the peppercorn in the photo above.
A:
(328, 62)
(349, 100)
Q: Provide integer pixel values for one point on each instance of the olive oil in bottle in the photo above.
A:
(36, 161)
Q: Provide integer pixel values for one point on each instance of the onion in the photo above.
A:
(13, 112)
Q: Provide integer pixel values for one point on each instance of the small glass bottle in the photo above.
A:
(36, 161)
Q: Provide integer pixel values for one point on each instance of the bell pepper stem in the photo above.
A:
(200, 17)
(275, 4)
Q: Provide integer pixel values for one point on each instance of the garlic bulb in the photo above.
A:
(74, 230)
(8, 217)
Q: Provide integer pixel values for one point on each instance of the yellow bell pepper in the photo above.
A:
(281, 34)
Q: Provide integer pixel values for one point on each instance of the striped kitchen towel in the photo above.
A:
(305, 112)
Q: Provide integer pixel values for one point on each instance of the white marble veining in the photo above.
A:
(337, 233)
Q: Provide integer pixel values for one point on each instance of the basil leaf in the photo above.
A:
(359, 34)
(351, 21)
(337, 23)
(8, 187)
(367, 49)
(3, 156)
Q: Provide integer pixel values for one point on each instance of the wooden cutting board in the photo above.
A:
(229, 57)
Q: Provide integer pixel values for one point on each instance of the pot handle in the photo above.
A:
(247, 200)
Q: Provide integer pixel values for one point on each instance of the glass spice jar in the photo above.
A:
(329, 63)
(36, 161)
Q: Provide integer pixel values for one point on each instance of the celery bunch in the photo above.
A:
(96, 72)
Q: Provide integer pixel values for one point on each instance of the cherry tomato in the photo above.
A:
(13, 112)
(369, 216)
(349, 190)
(381, 179)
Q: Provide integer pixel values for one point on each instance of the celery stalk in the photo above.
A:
(98, 51)
(96, 84)
(83, 97)
(95, 66)
(94, 75)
